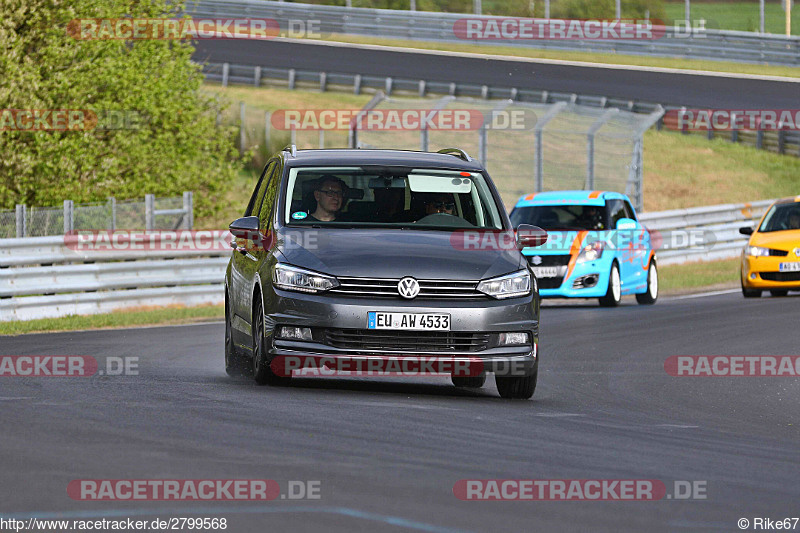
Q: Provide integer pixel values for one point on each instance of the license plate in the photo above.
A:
(409, 321)
(545, 272)
(790, 267)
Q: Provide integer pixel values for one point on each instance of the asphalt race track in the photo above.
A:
(667, 88)
(388, 452)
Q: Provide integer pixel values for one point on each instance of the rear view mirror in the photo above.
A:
(387, 182)
(530, 236)
(245, 227)
(746, 230)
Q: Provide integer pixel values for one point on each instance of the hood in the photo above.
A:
(780, 240)
(393, 253)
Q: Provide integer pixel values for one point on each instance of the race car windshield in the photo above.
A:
(782, 217)
(368, 197)
(561, 217)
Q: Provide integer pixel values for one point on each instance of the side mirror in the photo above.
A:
(626, 223)
(245, 227)
(529, 236)
(746, 230)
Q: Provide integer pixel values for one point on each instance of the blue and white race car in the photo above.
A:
(596, 246)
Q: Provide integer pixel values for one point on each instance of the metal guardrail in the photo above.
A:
(702, 233)
(715, 45)
(782, 142)
(43, 277)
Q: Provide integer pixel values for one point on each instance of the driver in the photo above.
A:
(440, 203)
(794, 220)
(591, 217)
(329, 195)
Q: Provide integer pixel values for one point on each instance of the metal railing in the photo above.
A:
(715, 45)
(782, 142)
(43, 277)
(152, 213)
(702, 233)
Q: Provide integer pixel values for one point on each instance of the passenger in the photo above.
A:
(440, 203)
(794, 220)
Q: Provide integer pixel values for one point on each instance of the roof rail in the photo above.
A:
(458, 152)
(291, 148)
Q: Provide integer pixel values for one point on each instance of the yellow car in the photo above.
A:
(771, 259)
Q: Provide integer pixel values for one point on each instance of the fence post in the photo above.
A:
(257, 77)
(483, 149)
(293, 135)
(321, 138)
(388, 86)
(21, 230)
(69, 221)
(292, 78)
(357, 84)
(241, 126)
(149, 212)
(113, 204)
(188, 207)
(323, 81)
(225, 69)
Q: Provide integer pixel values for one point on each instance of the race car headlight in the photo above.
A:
(591, 252)
(508, 286)
(757, 251)
(292, 278)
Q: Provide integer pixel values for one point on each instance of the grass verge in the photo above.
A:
(117, 319)
(739, 16)
(691, 277)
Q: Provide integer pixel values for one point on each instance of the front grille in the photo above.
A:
(429, 288)
(778, 253)
(780, 276)
(550, 283)
(548, 260)
(418, 341)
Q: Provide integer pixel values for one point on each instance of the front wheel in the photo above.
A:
(516, 388)
(262, 372)
(235, 364)
(650, 297)
(750, 293)
(614, 293)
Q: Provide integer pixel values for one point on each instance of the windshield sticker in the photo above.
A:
(300, 215)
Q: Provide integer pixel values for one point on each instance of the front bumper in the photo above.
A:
(321, 312)
(755, 270)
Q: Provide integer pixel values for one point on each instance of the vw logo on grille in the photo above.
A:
(408, 288)
(536, 260)
(797, 252)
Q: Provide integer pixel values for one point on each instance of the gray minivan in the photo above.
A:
(347, 256)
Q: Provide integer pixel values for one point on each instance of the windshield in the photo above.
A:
(561, 217)
(389, 197)
(782, 217)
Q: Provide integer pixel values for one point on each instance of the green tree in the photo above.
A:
(177, 145)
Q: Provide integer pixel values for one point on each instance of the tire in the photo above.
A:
(650, 297)
(750, 293)
(235, 364)
(262, 372)
(779, 292)
(471, 382)
(516, 388)
(614, 293)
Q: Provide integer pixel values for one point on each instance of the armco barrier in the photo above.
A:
(42, 277)
(715, 227)
(712, 45)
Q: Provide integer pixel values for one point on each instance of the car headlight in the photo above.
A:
(508, 286)
(757, 251)
(292, 278)
(591, 252)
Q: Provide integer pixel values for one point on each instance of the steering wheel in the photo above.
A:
(444, 219)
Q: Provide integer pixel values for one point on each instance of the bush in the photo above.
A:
(178, 146)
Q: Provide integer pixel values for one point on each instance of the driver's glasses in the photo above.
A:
(444, 205)
(332, 193)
